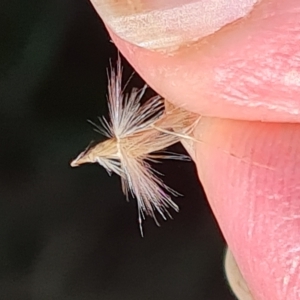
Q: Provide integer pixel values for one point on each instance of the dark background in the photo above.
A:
(69, 233)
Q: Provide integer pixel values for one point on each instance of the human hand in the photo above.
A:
(236, 63)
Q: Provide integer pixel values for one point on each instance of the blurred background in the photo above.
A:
(69, 233)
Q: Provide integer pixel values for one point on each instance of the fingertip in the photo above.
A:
(247, 70)
(249, 172)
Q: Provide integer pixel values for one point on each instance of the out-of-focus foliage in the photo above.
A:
(69, 233)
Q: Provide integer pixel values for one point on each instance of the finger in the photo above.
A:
(249, 69)
(250, 173)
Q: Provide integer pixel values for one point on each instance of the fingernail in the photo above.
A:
(235, 278)
(156, 24)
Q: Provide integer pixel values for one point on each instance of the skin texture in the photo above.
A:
(245, 73)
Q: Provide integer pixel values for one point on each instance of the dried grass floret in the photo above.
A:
(137, 135)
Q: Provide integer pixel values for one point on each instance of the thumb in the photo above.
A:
(250, 173)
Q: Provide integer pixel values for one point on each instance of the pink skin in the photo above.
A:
(245, 73)
(249, 70)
